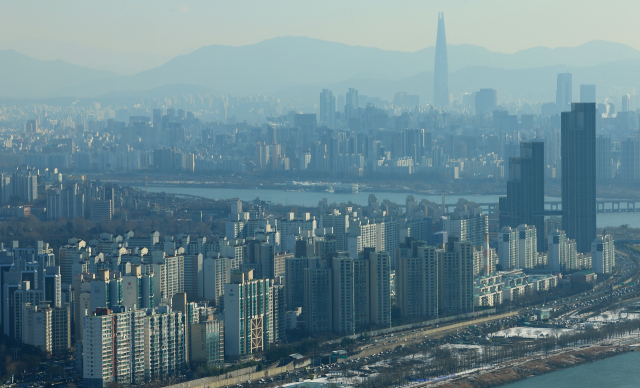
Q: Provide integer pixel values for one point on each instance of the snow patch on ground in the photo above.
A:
(531, 332)
(614, 316)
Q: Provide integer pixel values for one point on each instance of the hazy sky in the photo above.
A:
(172, 27)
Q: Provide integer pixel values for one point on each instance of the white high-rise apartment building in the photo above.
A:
(306, 225)
(318, 302)
(132, 346)
(484, 257)
(508, 244)
(361, 289)
(367, 233)
(168, 271)
(455, 281)
(417, 283)
(391, 240)
(294, 288)
(164, 343)
(603, 256)
(137, 289)
(527, 248)
(380, 288)
(36, 326)
(343, 296)
(563, 254)
(69, 254)
(52, 286)
(21, 296)
(468, 228)
(216, 271)
(97, 363)
(558, 256)
(60, 328)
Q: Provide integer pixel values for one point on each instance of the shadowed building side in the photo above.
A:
(578, 177)
(524, 203)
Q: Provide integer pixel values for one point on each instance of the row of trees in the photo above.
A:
(16, 357)
(58, 232)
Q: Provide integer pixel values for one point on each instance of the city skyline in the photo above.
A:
(301, 194)
(230, 277)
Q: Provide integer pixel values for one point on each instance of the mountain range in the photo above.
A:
(92, 57)
(299, 67)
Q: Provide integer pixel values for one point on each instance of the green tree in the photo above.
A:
(348, 343)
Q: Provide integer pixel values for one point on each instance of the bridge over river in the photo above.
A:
(555, 207)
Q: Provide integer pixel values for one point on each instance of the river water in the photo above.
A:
(311, 198)
(614, 372)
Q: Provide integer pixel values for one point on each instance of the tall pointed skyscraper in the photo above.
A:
(441, 68)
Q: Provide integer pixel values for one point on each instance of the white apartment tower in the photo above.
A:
(344, 316)
(455, 280)
(508, 244)
(131, 347)
(36, 327)
(417, 283)
(558, 256)
(603, 255)
(380, 288)
(318, 301)
(216, 271)
(527, 248)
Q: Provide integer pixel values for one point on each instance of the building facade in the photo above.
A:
(578, 179)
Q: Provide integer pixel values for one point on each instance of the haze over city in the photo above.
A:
(319, 194)
(171, 28)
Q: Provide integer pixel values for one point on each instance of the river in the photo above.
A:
(614, 372)
(311, 199)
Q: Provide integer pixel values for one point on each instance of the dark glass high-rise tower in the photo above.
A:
(578, 145)
(441, 68)
(525, 191)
